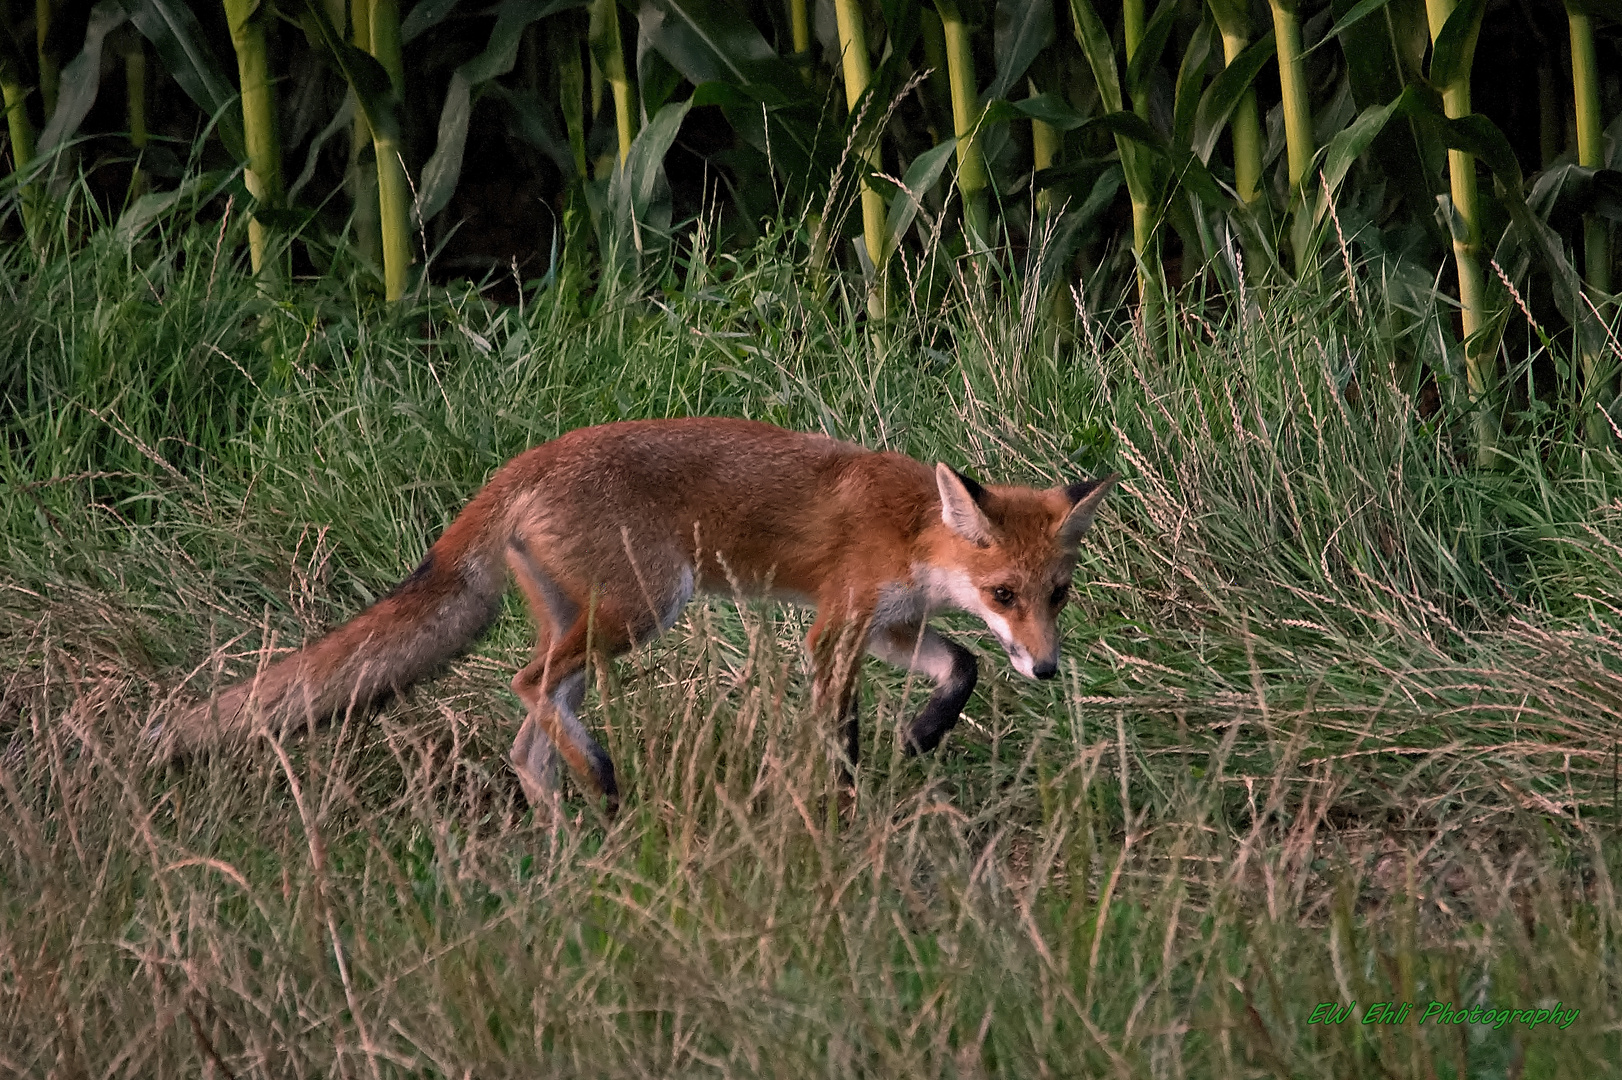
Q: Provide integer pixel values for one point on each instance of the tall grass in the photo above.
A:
(1338, 720)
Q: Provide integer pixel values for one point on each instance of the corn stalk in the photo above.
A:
(1143, 211)
(799, 17)
(1292, 80)
(21, 130)
(971, 162)
(264, 172)
(1298, 138)
(393, 194)
(1597, 390)
(1044, 152)
(1136, 164)
(1233, 20)
(1453, 49)
(858, 73)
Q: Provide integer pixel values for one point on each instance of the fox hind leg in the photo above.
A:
(535, 760)
(552, 687)
(835, 646)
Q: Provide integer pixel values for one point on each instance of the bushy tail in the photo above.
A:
(429, 617)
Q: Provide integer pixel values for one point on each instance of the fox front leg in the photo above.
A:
(914, 647)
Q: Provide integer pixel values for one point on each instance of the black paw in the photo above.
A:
(933, 722)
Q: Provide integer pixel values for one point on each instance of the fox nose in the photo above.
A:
(1046, 670)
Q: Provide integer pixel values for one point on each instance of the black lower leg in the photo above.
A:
(945, 705)
(603, 769)
(850, 732)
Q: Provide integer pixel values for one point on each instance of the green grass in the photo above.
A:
(1338, 718)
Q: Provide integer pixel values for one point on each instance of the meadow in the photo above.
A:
(1337, 723)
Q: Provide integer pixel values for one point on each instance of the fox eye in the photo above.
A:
(1060, 594)
(1002, 595)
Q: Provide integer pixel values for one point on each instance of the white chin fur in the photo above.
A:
(1022, 663)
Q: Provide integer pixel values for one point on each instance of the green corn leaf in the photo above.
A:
(901, 24)
(1335, 159)
(1077, 224)
(1190, 76)
(1101, 196)
(1382, 56)
(638, 190)
(1456, 44)
(712, 47)
(707, 41)
(341, 120)
(1095, 43)
(924, 172)
(571, 95)
(1358, 13)
(724, 95)
(425, 16)
(1347, 146)
(501, 50)
(76, 92)
(1021, 29)
(1562, 194)
(140, 214)
(530, 118)
(1530, 231)
(1147, 58)
(1141, 142)
(656, 80)
(1048, 108)
(370, 83)
(1222, 96)
(1187, 170)
(183, 48)
(1101, 186)
(1076, 175)
(1473, 134)
(444, 167)
(786, 136)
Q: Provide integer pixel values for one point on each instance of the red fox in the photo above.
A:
(610, 530)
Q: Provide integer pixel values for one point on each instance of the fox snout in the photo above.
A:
(1038, 662)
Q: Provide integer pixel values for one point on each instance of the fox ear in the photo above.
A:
(1085, 497)
(960, 505)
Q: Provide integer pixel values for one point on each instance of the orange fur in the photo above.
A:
(609, 530)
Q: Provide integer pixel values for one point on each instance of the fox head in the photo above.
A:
(1012, 551)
